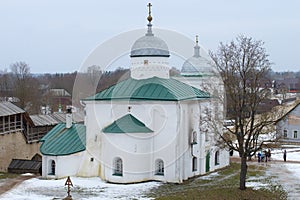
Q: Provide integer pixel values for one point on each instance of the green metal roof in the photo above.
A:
(127, 124)
(150, 89)
(61, 141)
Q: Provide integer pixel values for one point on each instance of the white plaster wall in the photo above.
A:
(89, 166)
(284, 124)
(172, 123)
(224, 158)
(147, 67)
(141, 150)
(64, 165)
(158, 61)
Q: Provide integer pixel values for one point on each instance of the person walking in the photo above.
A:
(284, 155)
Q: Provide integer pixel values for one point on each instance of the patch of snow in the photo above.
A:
(293, 154)
(256, 185)
(84, 188)
(27, 174)
(209, 176)
(294, 169)
(267, 137)
(290, 146)
(254, 178)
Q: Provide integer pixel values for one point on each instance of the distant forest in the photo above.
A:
(32, 91)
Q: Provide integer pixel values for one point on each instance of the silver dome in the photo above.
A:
(149, 45)
(197, 66)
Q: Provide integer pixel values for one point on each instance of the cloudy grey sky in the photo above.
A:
(56, 36)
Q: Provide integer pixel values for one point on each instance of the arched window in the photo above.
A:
(295, 134)
(118, 167)
(217, 158)
(53, 165)
(194, 164)
(159, 167)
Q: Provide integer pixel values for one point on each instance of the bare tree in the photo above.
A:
(94, 73)
(26, 88)
(243, 63)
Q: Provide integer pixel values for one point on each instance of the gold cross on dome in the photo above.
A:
(149, 6)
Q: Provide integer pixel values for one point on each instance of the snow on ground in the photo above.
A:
(209, 176)
(256, 185)
(293, 154)
(84, 188)
(294, 169)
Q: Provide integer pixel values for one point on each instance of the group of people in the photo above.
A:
(264, 156)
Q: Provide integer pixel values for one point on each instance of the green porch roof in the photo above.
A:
(150, 89)
(61, 141)
(127, 124)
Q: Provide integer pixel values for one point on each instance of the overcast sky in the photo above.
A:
(57, 35)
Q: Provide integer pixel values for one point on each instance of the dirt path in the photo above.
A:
(9, 183)
(286, 178)
(280, 175)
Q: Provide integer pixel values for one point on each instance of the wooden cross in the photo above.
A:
(69, 183)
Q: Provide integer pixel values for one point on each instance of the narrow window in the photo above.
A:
(145, 62)
(194, 139)
(118, 167)
(285, 133)
(159, 167)
(217, 158)
(206, 136)
(194, 164)
(295, 134)
(52, 167)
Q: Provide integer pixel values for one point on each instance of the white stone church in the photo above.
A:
(147, 127)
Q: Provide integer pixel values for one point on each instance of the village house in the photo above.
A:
(148, 127)
(288, 126)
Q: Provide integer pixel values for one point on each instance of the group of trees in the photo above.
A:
(31, 91)
(20, 85)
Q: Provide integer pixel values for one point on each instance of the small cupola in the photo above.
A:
(197, 65)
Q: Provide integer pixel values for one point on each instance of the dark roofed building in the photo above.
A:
(21, 166)
(267, 105)
(44, 123)
(11, 118)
